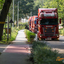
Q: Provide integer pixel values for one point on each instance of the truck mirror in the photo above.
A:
(60, 21)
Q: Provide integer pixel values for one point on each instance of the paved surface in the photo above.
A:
(56, 45)
(2, 47)
(16, 53)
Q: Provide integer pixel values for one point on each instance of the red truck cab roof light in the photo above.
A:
(48, 14)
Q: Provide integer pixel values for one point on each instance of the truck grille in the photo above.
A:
(49, 31)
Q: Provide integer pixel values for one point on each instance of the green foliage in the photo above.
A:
(13, 36)
(1, 4)
(42, 54)
(25, 7)
(13, 33)
(59, 4)
(61, 31)
(56, 4)
(22, 25)
(30, 36)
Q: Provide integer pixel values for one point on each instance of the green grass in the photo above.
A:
(30, 36)
(22, 25)
(42, 54)
(61, 31)
(14, 32)
(13, 36)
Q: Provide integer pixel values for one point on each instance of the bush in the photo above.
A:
(13, 36)
(61, 31)
(22, 25)
(30, 36)
(42, 54)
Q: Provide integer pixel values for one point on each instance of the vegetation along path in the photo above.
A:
(16, 53)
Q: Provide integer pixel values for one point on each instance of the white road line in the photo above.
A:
(62, 42)
(6, 48)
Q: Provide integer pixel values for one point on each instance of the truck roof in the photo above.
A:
(47, 9)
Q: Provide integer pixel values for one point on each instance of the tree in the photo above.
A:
(3, 15)
(25, 7)
(1, 4)
(37, 4)
(59, 4)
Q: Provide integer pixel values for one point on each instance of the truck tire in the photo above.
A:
(55, 39)
(37, 38)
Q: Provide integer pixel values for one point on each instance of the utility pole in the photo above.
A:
(7, 29)
(63, 28)
(13, 13)
(18, 13)
(31, 12)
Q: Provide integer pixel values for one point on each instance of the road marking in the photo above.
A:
(62, 42)
(25, 49)
(6, 48)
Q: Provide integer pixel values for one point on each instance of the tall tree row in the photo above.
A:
(59, 4)
(25, 7)
(1, 4)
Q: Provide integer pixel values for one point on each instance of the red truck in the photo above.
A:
(34, 23)
(48, 24)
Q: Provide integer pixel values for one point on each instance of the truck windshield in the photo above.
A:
(49, 22)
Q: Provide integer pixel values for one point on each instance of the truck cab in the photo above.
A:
(35, 24)
(47, 24)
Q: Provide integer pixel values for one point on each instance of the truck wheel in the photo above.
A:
(53, 39)
(57, 39)
(37, 38)
(43, 39)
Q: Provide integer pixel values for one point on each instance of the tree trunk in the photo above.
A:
(3, 15)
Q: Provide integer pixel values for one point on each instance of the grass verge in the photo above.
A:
(13, 36)
(61, 31)
(29, 35)
(42, 54)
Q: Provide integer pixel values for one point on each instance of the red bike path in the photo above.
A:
(18, 52)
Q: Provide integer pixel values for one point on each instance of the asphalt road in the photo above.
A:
(56, 45)
(2, 47)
